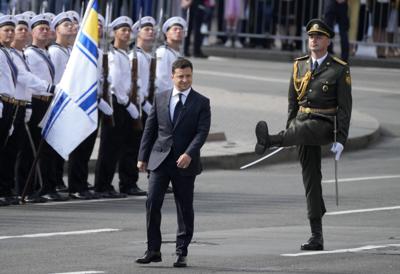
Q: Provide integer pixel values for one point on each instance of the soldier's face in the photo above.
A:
(66, 28)
(123, 34)
(182, 78)
(41, 32)
(22, 33)
(7, 34)
(147, 33)
(318, 42)
(175, 34)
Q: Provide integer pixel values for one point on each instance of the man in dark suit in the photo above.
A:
(175, 131)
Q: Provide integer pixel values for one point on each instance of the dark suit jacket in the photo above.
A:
(188, 134)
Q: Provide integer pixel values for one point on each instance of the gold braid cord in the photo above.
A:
(300, 85)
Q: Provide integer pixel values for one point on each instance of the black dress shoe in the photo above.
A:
(83, 195)
(3, 202)
(134, 191)
(62, 188)
(112, 195)
(200, 55)
(35, 198)
(262, 137)
(54, 197)
(314, 243)
(149, 257)
(12, 200)
(180, 261)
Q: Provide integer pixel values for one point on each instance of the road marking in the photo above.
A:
(362, 179)
(285, 81)
(42, 235)
(344, 212)
(81, 272)
(89, 201)
(347, 250)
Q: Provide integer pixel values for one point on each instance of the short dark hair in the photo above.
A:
(181, 63)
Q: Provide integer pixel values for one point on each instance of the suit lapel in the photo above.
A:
(165, 107)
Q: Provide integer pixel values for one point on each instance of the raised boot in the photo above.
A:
(262, 135)
(316, 242)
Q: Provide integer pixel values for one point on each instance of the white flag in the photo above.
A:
(72, 116)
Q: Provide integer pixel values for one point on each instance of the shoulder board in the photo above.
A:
(302, 58)
(340, 61)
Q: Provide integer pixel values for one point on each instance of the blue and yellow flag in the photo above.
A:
(72, 116)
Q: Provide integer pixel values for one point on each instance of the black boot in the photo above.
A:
(262, 135)
(316, 242)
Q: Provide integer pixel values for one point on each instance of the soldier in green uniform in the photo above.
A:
(319, 93)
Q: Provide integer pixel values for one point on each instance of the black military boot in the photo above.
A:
(316, 242)
(262, 135)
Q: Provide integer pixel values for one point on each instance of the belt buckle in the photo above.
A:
(307, 110)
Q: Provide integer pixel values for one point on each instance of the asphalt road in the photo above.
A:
(249, 221)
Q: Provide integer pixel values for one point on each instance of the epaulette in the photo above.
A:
(302, 58)
(340, 61)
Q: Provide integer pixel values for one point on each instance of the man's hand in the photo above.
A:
(1, 109)
(183, 161)
(337, 148)
(142, 166)
(105, 107)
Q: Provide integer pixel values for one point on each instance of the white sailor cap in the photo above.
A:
(122, 21)
(39, 20)
(7, 20)
(74, 15)
(144, 21)
(22, 19)
(101, 19)
(174, 21)
(30, 14)
(59, 19)
(50, 16)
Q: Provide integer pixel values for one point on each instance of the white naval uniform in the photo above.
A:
(166, 56)
(59, 55)
(7, 85)
(120, 75)
(144, 61)
(39, 66)
(26, 81)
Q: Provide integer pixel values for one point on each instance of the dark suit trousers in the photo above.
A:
(78, 170)
(310, 160)
(183, 187)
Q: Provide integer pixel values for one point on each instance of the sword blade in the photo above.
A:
(262, 159)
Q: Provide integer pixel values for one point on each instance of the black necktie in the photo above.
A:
(178, 109)
(315, 67)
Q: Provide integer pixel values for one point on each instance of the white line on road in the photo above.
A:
(78, 232)
(358, 249)
(344, 212)
(285, 81)
(362, 179)
(81, 272)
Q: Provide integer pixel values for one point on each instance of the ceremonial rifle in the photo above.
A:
(153, 62)
(107, 97)
(133, 98)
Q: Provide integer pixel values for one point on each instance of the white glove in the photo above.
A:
(28, 114)
(146, 107)
(131, 108)
(337, 148)
(1, 109)
(10, 132)
(104, 107)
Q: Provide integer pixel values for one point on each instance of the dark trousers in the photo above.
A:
(310, 160)
(335, 12)
(115, 143)
(48, 156)
(183, 187)
(195, 20)
(7, 149)
(78, 170)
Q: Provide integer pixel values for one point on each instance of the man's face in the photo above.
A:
(146, 33)
(41, 32)
(66, 28)
(182, 78)
(123, 34)
(318, 42)
(7, 34)
(22, 33)
(175, 34)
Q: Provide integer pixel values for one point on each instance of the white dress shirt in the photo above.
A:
(319, 60)
(7, 85)
(119, 75)
(175, 98)
(26, 81)
(166, 56)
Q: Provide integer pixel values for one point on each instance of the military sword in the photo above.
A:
(12, 124)
(263, 158)
(336, 162)
(39, 173)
